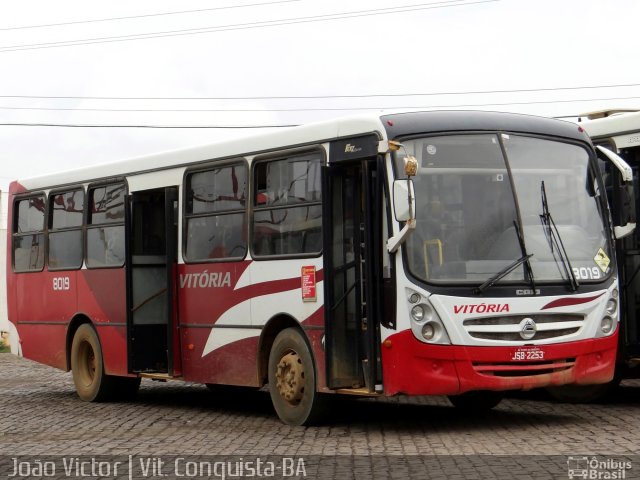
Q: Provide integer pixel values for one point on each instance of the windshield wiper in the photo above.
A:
(512, 266)
(503, 273)
(528, 270)
(554, 238)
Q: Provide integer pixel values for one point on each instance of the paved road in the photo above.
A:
(523, 437)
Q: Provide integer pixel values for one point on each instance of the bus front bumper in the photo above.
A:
(415, 368)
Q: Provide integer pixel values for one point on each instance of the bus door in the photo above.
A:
(627, 252)
(151, 280)
(352, 270)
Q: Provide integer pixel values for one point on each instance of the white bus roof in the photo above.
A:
(261, 142)
(623, 128)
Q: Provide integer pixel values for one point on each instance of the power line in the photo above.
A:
(41, 124)
(311, 109)
(88, 125)
(324, 97)
(243, 26)
(147, 15)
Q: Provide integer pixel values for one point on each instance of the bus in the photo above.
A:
(419, 253)
(618, 131)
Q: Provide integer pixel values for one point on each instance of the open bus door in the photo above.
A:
(352, 264)
(151, 255)
(627, 251)
(622, 189)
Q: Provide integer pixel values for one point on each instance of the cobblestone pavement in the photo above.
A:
(41, 415)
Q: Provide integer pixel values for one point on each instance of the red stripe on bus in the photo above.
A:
(566, 302)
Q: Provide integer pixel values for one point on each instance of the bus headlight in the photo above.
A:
(414, 298)
(606, 325)
(612, 307)
(429, 331)
(425, 322)
(422, 313)
(417, 313)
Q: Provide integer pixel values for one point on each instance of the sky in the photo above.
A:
(74, 74)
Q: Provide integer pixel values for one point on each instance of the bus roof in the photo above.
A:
(386, 125)
(450, 121)
(619, 123)
(260, 142)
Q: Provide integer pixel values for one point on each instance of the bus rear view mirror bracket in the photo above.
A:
(623, 199)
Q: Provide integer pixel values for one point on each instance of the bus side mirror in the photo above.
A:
(404, 200)
(404, 208)
(623, 200)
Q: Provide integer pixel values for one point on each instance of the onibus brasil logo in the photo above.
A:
(595, 468)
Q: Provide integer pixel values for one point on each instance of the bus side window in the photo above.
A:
(287, 215)
(65, 230)
(216, 214)
(28, 234)
(105, 226)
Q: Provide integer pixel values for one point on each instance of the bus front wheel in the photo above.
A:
(292, 379)
(92, 384)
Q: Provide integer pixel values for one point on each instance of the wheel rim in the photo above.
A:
(290, 378)
(88, 363)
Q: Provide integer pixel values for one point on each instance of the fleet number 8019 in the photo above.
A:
(587, 273)
(61, 283)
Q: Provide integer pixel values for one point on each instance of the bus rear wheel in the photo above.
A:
(476, 401)
(87, 367)
(292, 380)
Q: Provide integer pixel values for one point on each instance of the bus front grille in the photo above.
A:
(523, 369)
(517, 328)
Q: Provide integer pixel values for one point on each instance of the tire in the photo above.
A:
(292, 380)
(476, 401)
(92, 385)
(583, 393)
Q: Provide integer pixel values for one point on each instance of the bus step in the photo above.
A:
(633, 362)
(363, 391)
(159, 377)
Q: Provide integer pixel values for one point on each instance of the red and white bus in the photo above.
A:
(444, 253)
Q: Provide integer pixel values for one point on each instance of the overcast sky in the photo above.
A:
(261, 62)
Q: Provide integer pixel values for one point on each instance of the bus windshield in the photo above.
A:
(471, 224)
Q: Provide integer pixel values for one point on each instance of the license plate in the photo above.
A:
(527, 354)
